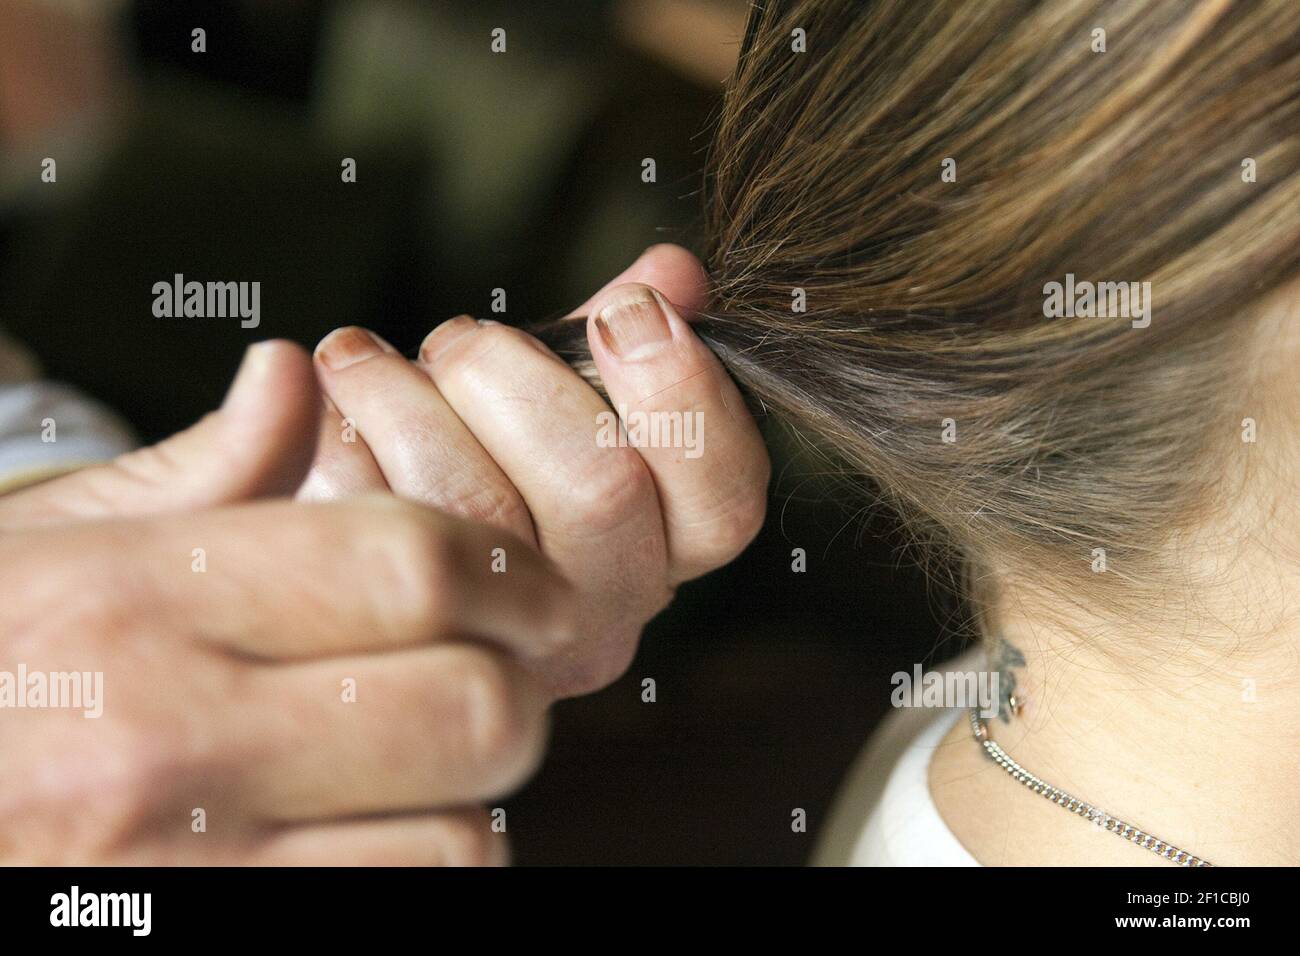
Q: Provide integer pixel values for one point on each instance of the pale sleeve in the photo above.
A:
(47, 427)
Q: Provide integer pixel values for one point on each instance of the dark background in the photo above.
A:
(477, 171)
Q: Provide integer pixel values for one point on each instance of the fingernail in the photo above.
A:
(348, 346)
(633, 326)
(437, 341)
(253, 368)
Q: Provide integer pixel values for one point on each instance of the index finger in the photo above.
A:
(291, 580)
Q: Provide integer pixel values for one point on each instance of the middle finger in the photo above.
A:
(594, 504)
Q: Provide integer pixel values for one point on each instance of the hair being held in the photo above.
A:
(925, 295)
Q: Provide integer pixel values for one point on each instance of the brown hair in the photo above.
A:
(925, 297)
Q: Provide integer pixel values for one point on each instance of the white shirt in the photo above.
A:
(46, 427)
(884, 814)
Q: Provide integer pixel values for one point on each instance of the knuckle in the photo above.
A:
(618, 488)
(418, 568)
(560, 610)
(499, 505)
(603, 663)
(111, 790)
(738, 527)
(503, 718)
(109, 613)
(127, 783)
(712, 538)
(466, 839)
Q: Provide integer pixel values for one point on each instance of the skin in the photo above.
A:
(488, 424)
(1183, 721)
(224, 689)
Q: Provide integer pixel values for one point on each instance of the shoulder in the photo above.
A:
(47, 428)
(884, 814)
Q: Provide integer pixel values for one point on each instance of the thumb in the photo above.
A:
(260, 443)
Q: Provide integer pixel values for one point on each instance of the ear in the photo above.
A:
(675, 272)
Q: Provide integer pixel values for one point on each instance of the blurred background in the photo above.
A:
(476, 170)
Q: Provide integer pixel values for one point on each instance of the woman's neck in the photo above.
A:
(1185, 718)
(1192, 732)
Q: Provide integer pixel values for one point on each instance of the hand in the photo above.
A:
(490, 425)
(282, 683)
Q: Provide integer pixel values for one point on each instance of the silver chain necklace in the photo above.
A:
(1086, 810)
